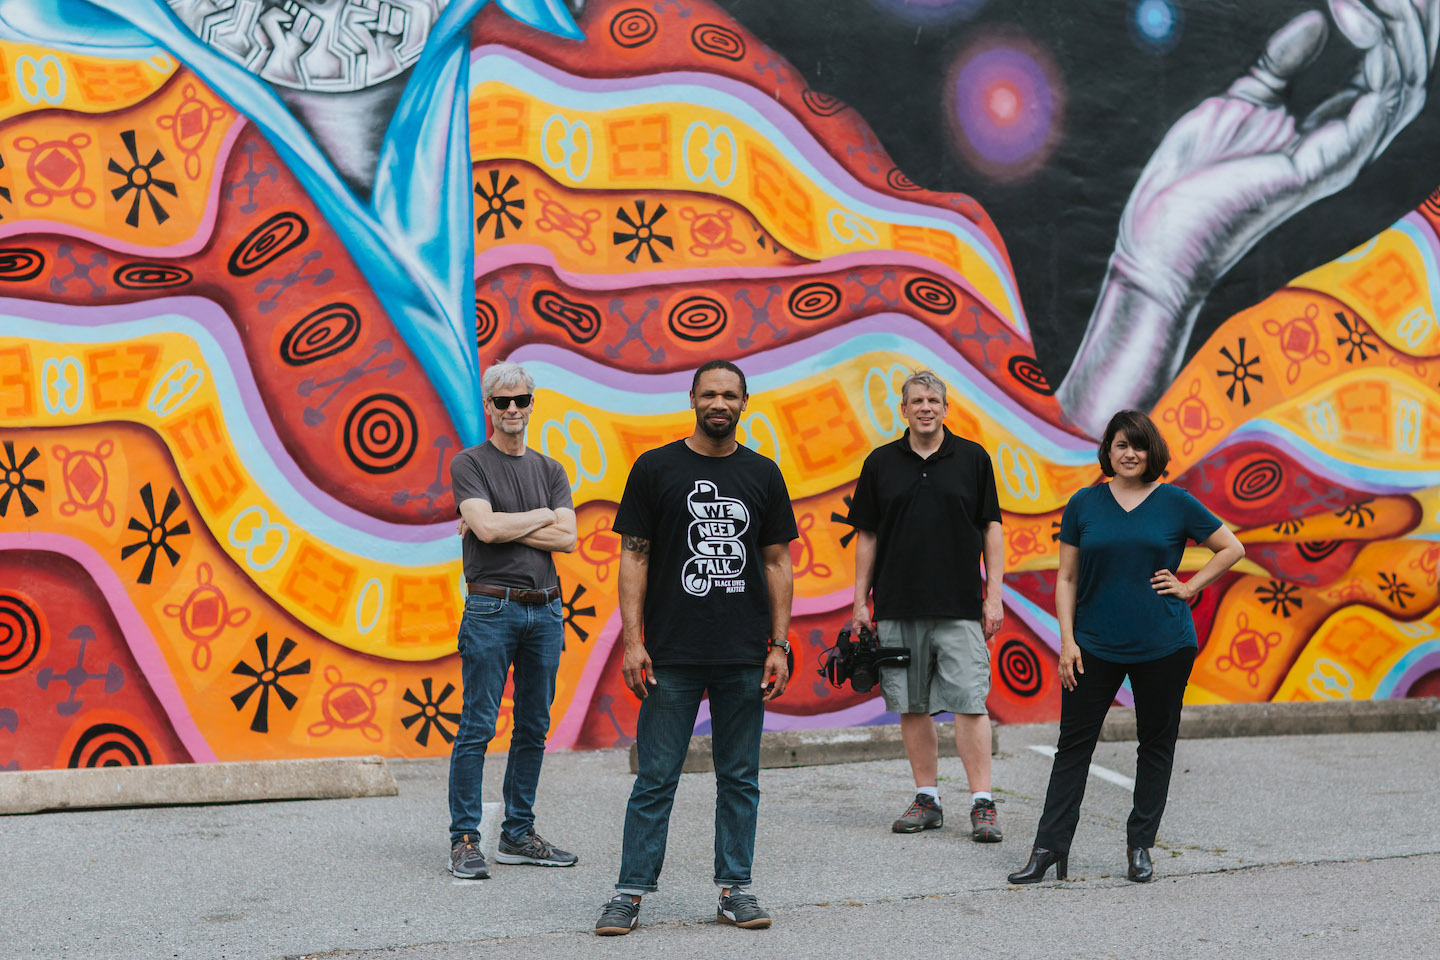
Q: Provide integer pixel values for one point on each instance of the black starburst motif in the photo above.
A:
(642, 232)
(1356, 339)
(572, 611)
(1396, 589)
(1054, 531)
(157, 533)
(1239, 373)
(4, 191)
(268, 678)
(1356, 513)
(141, 178)
(432, 712)
(1288, 527)
(498, 204)
(15, 480)
(1280, 596)
(845, 521)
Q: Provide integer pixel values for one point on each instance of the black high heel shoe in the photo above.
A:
(1141, 870)
(1040, 860)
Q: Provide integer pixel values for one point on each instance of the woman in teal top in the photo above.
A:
(1123, 612)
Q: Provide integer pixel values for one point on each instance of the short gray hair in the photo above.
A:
(504, 374)
(923, 378)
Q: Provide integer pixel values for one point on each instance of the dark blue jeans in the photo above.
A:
(494, 634)
(662, 737)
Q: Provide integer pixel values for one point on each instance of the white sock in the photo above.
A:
(980, 795)
(931, 792)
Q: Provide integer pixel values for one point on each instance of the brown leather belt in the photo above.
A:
(514, 593)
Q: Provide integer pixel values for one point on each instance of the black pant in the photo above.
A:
(1159, 687)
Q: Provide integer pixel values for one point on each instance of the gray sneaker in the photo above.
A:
(743, 910)
(618, 917)
(924, 814)
(533, 849)
(982, 823)
(466, 860)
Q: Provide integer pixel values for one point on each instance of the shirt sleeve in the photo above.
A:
(779, 525)
(466, 480)
(864, 510)
(636, 515)
(1070, 520)
(988, 503)
(560, 498)
(1199, 521)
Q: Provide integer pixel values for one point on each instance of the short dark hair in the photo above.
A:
(1142, 433)
(709, 365)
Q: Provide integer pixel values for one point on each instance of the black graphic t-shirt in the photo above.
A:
(706, 519)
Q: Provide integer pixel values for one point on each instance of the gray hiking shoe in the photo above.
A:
(982, 823)
(924, 814)
(618, 917)
(743, 910)
(466, 860)
(533, 849)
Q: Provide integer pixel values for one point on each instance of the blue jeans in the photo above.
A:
(662, 737)
(494, 634)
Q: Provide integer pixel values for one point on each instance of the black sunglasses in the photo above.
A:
(521, 402)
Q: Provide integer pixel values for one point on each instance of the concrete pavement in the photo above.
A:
(1274, 846)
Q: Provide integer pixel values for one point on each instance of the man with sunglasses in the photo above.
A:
(515, 511)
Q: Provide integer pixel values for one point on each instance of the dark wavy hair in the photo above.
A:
(709, 365)
(1140, 430)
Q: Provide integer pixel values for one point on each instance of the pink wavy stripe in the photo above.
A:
(134, 628)
(184, 248)
(525, 254)
(568, 730)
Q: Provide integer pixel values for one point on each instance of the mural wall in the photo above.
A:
(253, 258)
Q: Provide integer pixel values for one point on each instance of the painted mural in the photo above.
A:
(254, 256)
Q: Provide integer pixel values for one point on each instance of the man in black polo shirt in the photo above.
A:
(925, 510)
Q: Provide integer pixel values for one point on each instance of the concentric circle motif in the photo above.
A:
(22, 631)
(580, 320)
(1005, 100)
(822, 104)
(487, 322)
(718, 41)
(898, 181)
(109, 745)
(332, 329)
(698, 318)
(814, 301)
(633, 27)
(1019, 668)
(18, 264)
(931, 295)
(1257, 480)
(1316, 550)
(152, 276)
(272, 239)
(1027, 372)
(381, 433)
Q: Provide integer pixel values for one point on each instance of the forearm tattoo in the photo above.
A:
(634, 544)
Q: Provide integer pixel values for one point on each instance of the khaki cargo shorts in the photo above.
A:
(949, 669)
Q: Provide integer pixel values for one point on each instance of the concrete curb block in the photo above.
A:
(801, 748)
(1202, 721)
(33, 791)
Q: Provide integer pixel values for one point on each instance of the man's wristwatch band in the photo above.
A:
(782, 644)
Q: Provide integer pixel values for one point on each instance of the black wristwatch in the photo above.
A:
(782, 644)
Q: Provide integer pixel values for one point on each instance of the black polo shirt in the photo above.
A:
(929, 518)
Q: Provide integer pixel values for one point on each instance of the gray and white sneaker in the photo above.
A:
(533, 849)
(618, 917)
(466, 860)
(743, 910)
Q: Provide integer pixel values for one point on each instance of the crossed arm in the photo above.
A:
(541, 528)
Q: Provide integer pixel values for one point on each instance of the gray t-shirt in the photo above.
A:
(510, 485)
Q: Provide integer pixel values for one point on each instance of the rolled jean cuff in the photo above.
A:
(736, 886)
(635, 891)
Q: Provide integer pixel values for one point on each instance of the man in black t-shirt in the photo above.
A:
(515, 511)
(705, 587)
(925, 509)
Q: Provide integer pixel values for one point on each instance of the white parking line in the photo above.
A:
(1104, 773)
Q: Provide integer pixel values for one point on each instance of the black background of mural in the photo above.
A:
(1059, 224)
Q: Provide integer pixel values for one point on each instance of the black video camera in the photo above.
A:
(858, 659)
